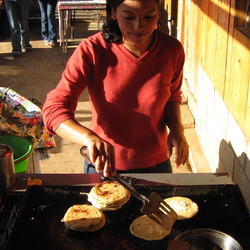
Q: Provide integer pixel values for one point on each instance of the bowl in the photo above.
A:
(209, 239)
(22, 148)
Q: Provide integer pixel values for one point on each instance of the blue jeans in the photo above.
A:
(18, 13)
(164, 167)
(48, 20)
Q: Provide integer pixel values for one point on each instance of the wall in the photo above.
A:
(216, 83)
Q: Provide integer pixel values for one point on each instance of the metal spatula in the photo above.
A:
(154, 206)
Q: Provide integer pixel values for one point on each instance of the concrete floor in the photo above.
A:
(34, 74)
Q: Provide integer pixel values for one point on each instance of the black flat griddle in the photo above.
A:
(39, 225)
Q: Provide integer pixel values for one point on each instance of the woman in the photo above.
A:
(133, 73)
(48, 22)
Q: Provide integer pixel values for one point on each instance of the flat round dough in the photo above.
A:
(108, 196)
(183, 206)
(84, 218)
(145, 228)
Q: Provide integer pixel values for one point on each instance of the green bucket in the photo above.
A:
(22, 148)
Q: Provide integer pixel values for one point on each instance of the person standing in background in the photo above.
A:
(48, 22)
(2, 18)
(18, 14)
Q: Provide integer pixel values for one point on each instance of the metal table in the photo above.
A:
(67, 9)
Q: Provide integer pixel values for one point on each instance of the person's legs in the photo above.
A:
(24, 8)
(44, 21)
(3, 16)
(52, 27)
(11, 8)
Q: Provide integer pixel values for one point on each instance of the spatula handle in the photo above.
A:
(133, 191)
(117, 178)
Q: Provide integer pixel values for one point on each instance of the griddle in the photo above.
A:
(39, 225)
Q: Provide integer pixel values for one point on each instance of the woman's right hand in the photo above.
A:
(101, 153)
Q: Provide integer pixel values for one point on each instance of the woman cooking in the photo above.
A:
(133, 73)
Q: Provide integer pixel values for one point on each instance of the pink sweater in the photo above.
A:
(127, 94)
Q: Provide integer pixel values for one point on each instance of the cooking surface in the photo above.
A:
(39, 225)
(8, 213)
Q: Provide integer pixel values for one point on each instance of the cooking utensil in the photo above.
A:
(206, 238)
(154, 206)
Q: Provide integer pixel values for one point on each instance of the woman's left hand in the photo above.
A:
(177, 140)
(176, 137)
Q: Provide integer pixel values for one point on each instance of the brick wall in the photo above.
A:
(225, 146)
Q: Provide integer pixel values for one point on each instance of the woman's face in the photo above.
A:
(137, 19)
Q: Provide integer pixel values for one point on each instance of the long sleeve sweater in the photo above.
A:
(127, 94)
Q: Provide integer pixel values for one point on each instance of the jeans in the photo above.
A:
(18, 13)
(48, 20)
(164, 167)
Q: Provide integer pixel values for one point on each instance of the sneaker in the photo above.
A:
(27, 48)
(46, 42)
(52, 44)
(16, 53)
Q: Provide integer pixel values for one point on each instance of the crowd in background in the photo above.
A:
(18, 17)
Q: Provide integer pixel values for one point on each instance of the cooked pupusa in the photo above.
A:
(183, 206)
(84, 218)
(145, 228)
(108, 196)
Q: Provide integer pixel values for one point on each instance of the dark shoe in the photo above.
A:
(16, 53)
(27, 48)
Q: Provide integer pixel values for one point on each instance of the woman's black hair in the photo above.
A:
(110, 30)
